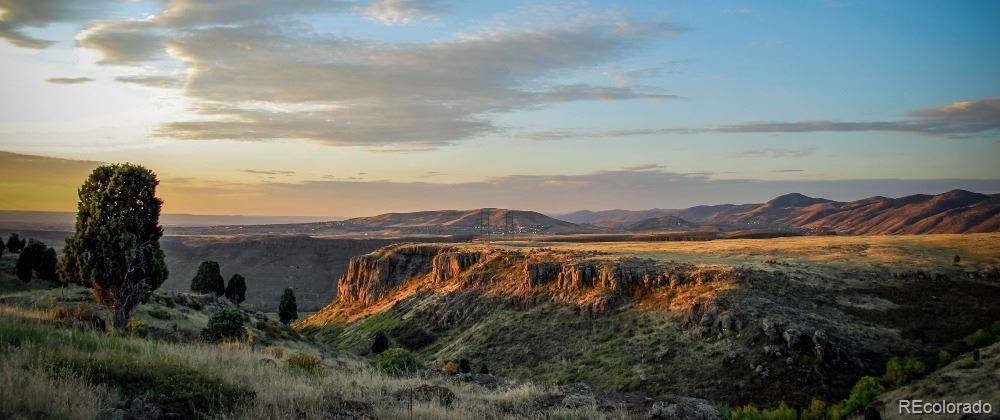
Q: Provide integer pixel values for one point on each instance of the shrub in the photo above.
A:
(965, 363)
(979, 338)
(225, 324)
(176, 387)
(396, 361)
(815, 411)
(464, 366)
(208, 279)
(943, 358)
(483, 369)
(25, 264)
(449, 368)
(288, 310)
(304, 362)
(956, 259)
(899, 372)
(750, 412)
(863, 393)
(236, 290)
(380, 342)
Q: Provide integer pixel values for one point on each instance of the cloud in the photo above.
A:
(248, 78)
(129, 42)
(977, 117)
(16, 15)
(263, 172)
(401, 12)
(430, 174)
(784, 171)
(166, 82)
(626, 77)
(776, 153)
(69, 80)
(644, 167)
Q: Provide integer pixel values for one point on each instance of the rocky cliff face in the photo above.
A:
(592, 282)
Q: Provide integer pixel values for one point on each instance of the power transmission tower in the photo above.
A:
(484, 223)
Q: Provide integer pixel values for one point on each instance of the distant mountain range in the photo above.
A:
(956, 211)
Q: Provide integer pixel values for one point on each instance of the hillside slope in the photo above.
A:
(726, 320)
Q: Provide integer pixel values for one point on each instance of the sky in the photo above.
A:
(338, 108)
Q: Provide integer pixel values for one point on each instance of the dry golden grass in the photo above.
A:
(976, 250)
(281, 391)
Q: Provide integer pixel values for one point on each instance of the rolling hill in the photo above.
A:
(956, 211)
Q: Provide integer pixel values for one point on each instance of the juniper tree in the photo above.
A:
(28, 260)
(236, 290)
(15, 244)
(115, 248)
(208, 279)
(288, 310)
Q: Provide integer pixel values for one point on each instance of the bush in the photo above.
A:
(943, 358)
(815, 411)
(979, 338)
(396, 361)
(412, 337)
(965, 363)
(304, 362)
(863, 393)
(483, 369)
(464, 366)
(15, 244)
(749, 412)
(225, 324)
(449, 368)
(899, 372)
(380, 342)
(176, 387)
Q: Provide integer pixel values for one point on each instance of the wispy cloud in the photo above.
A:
(165, 82)
(644, 167)
(976, 117)
(775, 153)
(401, 12)
(268, 172)
(785, 171)
(69, 80)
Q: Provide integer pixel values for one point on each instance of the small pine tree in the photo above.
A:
(26, 261)
(15, 244)
(208, 279)
(236, 290)
(956, 260)
(3, 247)
(380, 343)
(464, 366)
(288, 311)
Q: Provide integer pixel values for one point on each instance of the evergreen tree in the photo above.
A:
(116, 246)
(46, 264)
(380, 343)
(288, 311)
(15, 244)
(208, 279)
(3, 247)
(224, 324)
(236, 290)
(28, 259)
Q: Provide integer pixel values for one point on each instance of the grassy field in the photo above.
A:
(975, 250)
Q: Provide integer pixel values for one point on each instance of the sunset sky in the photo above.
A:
(347, 108)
